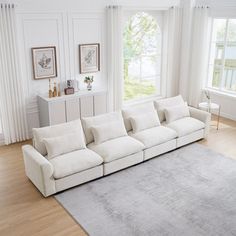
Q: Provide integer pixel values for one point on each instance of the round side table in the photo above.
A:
(211, 107)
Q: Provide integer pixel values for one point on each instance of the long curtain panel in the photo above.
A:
(114, 16)
(12, 100)
(173, 24)
(198, 54)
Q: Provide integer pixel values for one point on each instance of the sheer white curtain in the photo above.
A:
(199, 54)
(12, 101)
(172, 47)
(115, 56)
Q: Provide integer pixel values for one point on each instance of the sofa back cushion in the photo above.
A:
(54, 131)
(144, 121)
(176, 112)
(161, 104)
(89, 122)
(108, 131)
(60, 145)
(133, 111)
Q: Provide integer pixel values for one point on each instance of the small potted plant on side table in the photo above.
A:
(89, 80)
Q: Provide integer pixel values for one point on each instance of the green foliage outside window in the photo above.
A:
(140, 41)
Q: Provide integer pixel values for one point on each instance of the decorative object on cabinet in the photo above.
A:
(89, 80)
(89, 55)
(55, 90)
(44, 62)
(59, 90)
(69, 83)
(76, 85)
(50, 92)
(69, 90)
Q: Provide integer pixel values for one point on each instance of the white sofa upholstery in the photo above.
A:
(113, 152)
(114, 155)
(186, 125)
(158, 139)
(113, 149)
(74, 162)
(154, 136)
(189, 129)
(39, 170)
(47, 174)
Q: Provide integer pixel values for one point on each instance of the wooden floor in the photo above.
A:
(23, 211)
(224, 139)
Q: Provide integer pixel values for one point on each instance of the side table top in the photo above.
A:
(210, 105)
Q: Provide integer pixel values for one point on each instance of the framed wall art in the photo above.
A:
(89, 58)
(44, 62)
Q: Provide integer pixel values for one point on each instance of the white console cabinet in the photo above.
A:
(66, 108)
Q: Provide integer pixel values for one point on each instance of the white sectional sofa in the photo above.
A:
(69, 154)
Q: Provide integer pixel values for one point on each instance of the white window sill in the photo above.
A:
(141, 100)
(220, 93)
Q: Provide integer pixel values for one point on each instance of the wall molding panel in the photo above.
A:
(65, 30)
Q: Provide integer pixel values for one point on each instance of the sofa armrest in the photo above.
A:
(203, 116)
(39, 170)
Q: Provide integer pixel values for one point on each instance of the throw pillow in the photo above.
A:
(144, 121)
(108, 131)
(57, 146)
(176, 113)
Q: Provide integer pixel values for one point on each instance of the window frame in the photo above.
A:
(208, 84)
(158, 15)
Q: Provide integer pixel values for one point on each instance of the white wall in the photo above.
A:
(65, 24)
(68, 23)
(226, 8)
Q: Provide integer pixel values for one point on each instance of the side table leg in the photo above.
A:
(218, 119)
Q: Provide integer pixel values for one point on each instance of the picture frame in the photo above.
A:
(89, 58)
(44, 61)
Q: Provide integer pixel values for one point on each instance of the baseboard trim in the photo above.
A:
(225, 115)
(2, 142)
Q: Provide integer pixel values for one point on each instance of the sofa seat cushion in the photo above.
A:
(74, 162)
(186, 126)
(117, 148)
(155, 136)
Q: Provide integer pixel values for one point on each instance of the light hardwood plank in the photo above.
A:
(23, 210)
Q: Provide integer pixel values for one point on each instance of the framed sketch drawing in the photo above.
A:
(44, 62)
(89, 56)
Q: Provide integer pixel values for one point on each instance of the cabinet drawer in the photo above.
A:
(86, 106)
(72, 109)
(100, 104)
(57, 112)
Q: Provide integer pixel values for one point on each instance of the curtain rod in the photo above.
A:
(202, 7)
(8, 5)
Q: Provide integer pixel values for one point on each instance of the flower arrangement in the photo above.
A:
(208, 96)
(88, 80)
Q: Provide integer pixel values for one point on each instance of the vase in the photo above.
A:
(89, 86)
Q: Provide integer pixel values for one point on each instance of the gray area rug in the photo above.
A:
(190, 191)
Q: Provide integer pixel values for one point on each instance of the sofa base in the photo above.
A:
(78, 178)
(159, 149)
(190, 138)
(123, 163)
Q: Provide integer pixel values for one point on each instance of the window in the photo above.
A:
(142, 56)
(222, 63)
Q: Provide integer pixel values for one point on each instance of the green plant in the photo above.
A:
(88, 79)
